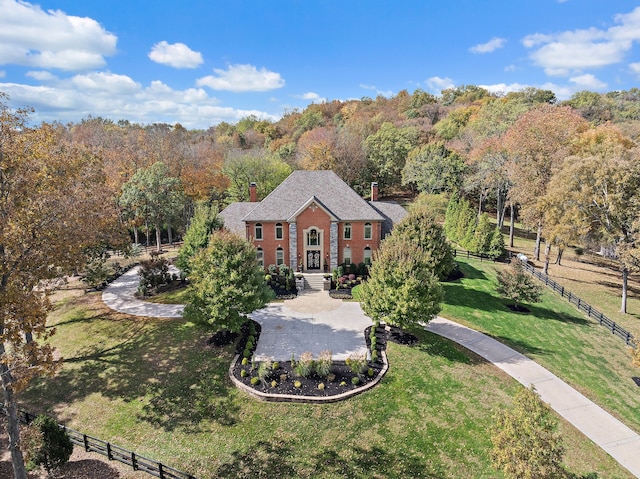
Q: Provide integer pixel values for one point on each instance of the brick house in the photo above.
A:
(313, 221)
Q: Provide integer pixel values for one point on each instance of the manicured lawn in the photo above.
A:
(554, 334)
(154, 386)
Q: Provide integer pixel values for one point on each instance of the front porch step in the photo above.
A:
(314, 281)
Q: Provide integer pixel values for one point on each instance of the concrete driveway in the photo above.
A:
(313, 322)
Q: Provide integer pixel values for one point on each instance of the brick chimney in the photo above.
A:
(253, 193)
(374, 191)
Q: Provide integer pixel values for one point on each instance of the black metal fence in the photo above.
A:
(572, 298)
(115, 453)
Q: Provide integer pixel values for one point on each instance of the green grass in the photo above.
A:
(161, 391)
(176, 296)
(554, 334)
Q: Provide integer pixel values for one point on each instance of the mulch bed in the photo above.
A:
(287, 382)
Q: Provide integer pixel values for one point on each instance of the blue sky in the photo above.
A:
(200, 62)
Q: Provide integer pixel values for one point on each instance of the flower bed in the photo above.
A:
(306, 378)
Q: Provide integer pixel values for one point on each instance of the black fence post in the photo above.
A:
(86, 442)
(134, 463)
(109, 455)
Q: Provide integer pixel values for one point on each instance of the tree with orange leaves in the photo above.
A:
(53, 206)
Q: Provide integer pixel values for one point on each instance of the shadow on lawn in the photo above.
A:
(161, 363)
(277, 459)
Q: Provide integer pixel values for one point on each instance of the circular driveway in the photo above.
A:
(312, 322)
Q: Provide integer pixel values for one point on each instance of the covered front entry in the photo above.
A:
(313, 259)
(313, 248)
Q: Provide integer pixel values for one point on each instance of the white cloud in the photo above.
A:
(240, 78)
(42, 76)
(2, 73)
(312, 96)
(635, 68)
(502, 88)
(588, 82)
(32, 37)
(118, 97)
(510, 68)
(572, 52)
(177, 55)
(437, 84)
(492, 45)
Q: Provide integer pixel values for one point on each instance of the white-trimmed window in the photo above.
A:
(257, 231)
(279, 231)
(260, 256)
(347, 231)
(313, 238)
(279, 256)
(346, 255)
(368, 231)
(367, 256)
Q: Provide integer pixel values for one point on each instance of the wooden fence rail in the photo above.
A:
(572, 298)
(582, 305)
(115, 453)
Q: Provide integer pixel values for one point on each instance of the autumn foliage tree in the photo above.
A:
(526, 443)
(53, 205)
(537, 144)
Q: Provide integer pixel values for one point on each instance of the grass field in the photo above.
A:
(154, 386)
(554, 334)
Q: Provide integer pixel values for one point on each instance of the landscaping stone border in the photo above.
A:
(270, 397)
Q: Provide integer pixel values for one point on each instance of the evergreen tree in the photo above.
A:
(483, 235)
(205, 220)
(421, 229)
(497, 248)
(47, 445)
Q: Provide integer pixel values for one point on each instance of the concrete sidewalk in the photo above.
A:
(619, 441)
(120, 296)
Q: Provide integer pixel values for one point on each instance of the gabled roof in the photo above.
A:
(233, 214)
(306, 204)
(393, 213)
(333, 193)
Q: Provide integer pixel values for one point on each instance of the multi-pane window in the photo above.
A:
(346, 255)
(260, 257)
(279, 256)
(313, 238)
(368, 231)
(279, 231)
(257, 233)
(347, 231)
(367, 256)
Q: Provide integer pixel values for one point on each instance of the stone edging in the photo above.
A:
(308, 399)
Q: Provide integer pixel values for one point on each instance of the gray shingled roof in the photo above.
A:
(300, 186)
(393, 213)
(233, 214)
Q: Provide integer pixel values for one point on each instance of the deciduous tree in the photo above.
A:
(515, 284)
(53, 205)
(402, 289)
(388, 149)
(537, 144)
(227, 283)
(526, 442)
(433, 168)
